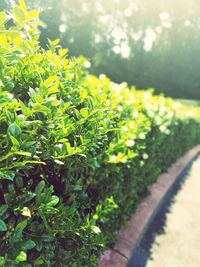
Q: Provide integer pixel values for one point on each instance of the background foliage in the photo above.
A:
(77, 152)
(146, 43)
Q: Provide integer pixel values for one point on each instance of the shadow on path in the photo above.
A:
(156, 226)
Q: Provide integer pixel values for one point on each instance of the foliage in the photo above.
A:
(77, 152)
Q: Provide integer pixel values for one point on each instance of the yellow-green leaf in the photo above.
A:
(33, 14)
(50, 81)
(96, 229)
(84, 112)
(15, 141)
(26, 212)
(69, 148)
(22, 5)
(23, 153)
(41, 108)
(2, 18)
(53, 89)
(22, 256)
(19, 14)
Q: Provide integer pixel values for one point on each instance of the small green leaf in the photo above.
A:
(41, 108)
(84, 112)
(38, 190)
(26, 212)
(15, 142)
(17, 234)
(96, 229)
(77, 187)
(59, 162)
(40, 187)
(69, 148)
(22, 256)
(8, 175)
(54, 201)
(21, 225)
(23, 153)
(38, 261)
(28, 245)
(14, 130)
(3, 226)
(3, 209)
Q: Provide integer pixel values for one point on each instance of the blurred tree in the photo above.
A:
(146, 43)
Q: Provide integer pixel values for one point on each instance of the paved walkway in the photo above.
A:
(179, 245)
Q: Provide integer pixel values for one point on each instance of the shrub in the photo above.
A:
(77, 152)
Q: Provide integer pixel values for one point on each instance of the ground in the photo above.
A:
(178, 246)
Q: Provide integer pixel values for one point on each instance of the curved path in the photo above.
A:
(179, 245)
(173, 237)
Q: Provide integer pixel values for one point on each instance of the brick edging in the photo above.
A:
(128, 237)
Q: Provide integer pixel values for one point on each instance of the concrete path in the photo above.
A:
(179, 244)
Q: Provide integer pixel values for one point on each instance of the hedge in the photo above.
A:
(77, 152)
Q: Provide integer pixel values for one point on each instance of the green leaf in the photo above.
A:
(22, 256)
(28, 245)
(59, 162)
(41, 108)
(77, 187)
(96, 229)
(19, 14)
(15, 142)
(3, 226)
(54, 201)
(69, 148)
(5, 97)
(21, 164)
(84, 112)
(38, 261)
(3, 209)
(25, 110)
(17, 234)
(40, 187)
(2, 261)
(38, 190)
(14, 130)
(23, 153)
(26, 212)
(21, 225)
(8, 175)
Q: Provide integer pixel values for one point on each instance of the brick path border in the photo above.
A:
(128, 237)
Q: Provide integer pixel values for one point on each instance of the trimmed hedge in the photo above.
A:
(77, 152)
